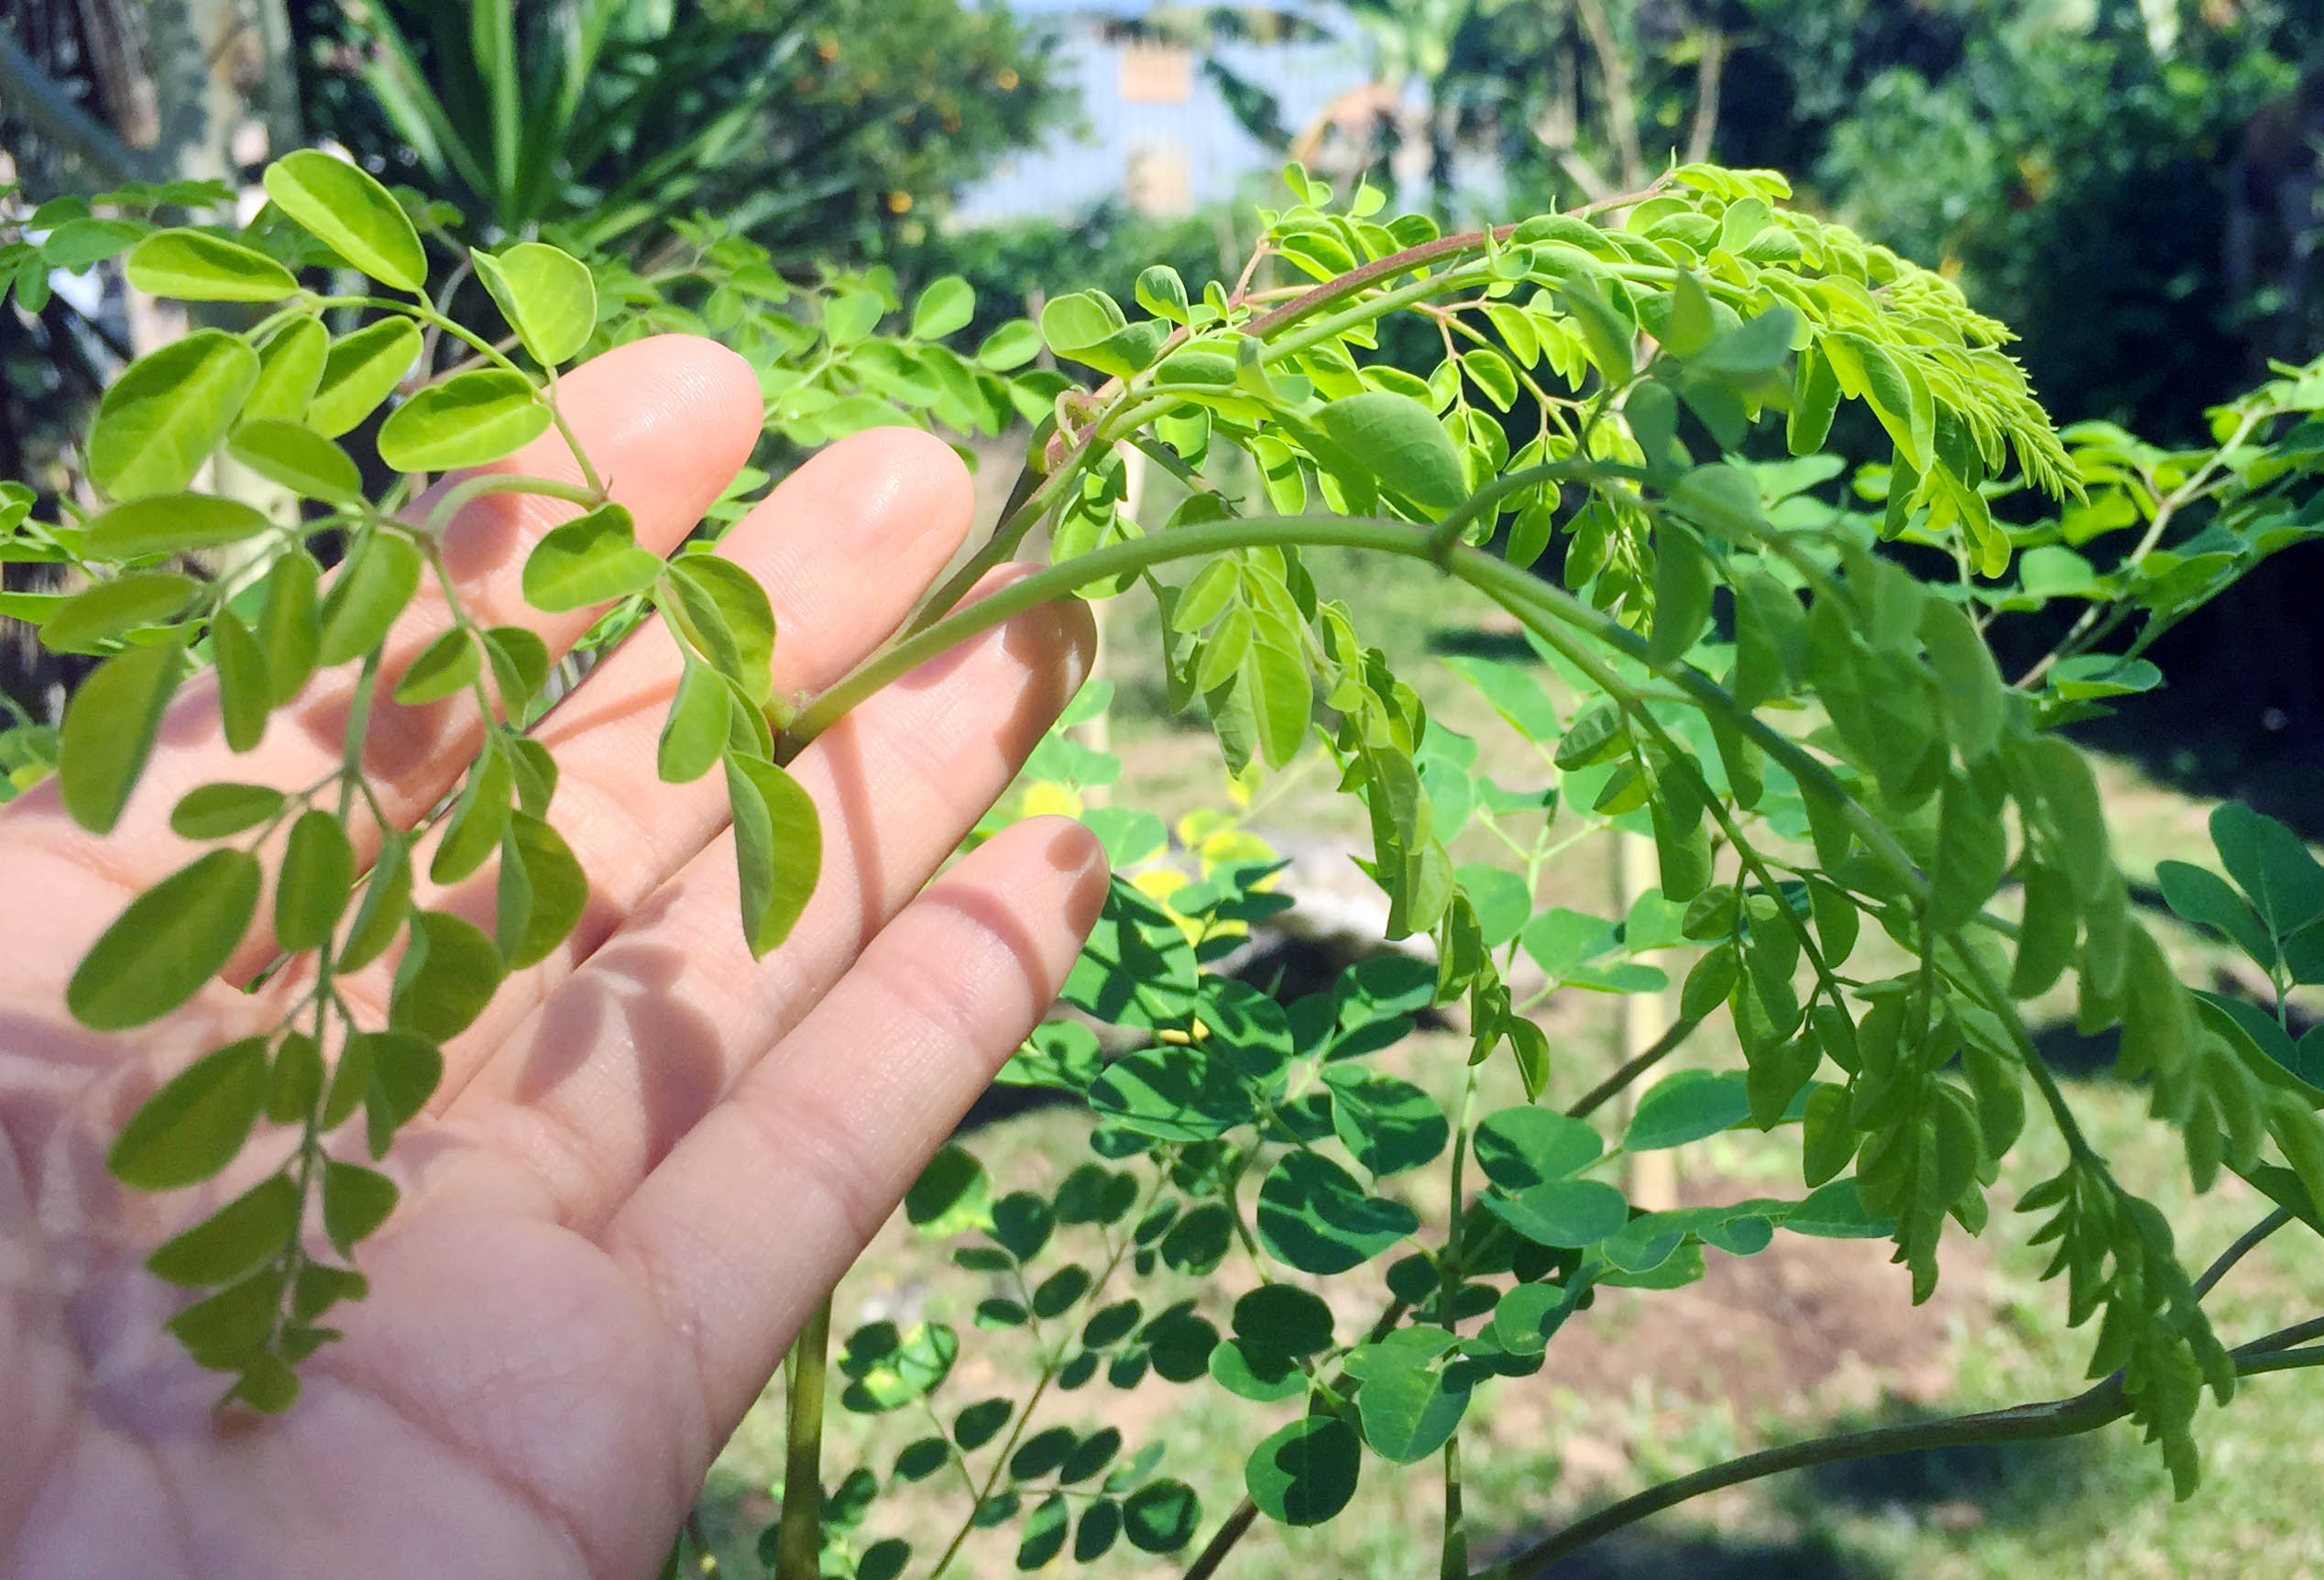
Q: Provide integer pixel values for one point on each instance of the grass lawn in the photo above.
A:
(1808, 1337)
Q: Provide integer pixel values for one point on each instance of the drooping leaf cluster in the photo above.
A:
(1873, 847)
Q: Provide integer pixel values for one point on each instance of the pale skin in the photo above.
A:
(652, 1155)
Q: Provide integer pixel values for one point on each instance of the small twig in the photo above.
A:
(1605, 1091)
(2241, 1248)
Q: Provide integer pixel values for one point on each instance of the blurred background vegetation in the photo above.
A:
(2133, 185)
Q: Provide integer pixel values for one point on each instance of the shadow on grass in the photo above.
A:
(1509, 646)
(1973, 1483)
(1696, 1555)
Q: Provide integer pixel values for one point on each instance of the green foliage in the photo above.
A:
(1829, 742)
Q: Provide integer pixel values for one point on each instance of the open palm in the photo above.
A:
(649, 1157)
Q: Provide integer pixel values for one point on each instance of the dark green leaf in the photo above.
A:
(234, 1239)
(351, 214)
(195, 1123)
(1136, 969)
(1687, 1107)
(952, 1194)
(1520, 1148)
(1090, 1455)
(2203, 897)
(547, 296)
(1284, 1317)
(449, 971)
(1388, 1125)
(978, 1424)
(166, 943)
(1306, 1473)
(193, 265)
(922, 1458)
(1564, 1213)
(1045, 1530)
(214, 811)
(311, 889)
(355, 1202)
(469, 419)
(594, 559)
(1094, 1538)
(1161, 1516)
(1312, 1216)
(161, 419)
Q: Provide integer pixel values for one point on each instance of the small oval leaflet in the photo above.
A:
(214, 811)
(594, 559)
(1407, 448)
(193, 265)
(99, 613)
(108, 732)
(300, 459)
(467, 420)
(167, 411)
(166, 943)
(352, 215)
(547, 296)
(195, 1125)
(359, 372)
(1306, 1473)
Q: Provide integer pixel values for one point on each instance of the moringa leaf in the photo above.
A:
(195, 1123)
(351, 214)
(109, 730)
(194, 266)
(547, 296)
(167, 411)
(166, 943)
(467, 420)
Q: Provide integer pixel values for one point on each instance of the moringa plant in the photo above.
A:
(1877, 845)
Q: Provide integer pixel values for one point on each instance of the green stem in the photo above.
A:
(799, 1538)
(2096, 1407)
(461, 494)
(2243, 1246)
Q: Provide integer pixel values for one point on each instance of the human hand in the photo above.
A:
(649, 1157)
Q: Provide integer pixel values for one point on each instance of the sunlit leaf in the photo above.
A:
(469, 419)
(167, 411)
(351, 214)
(547, 296)
(194, 266)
